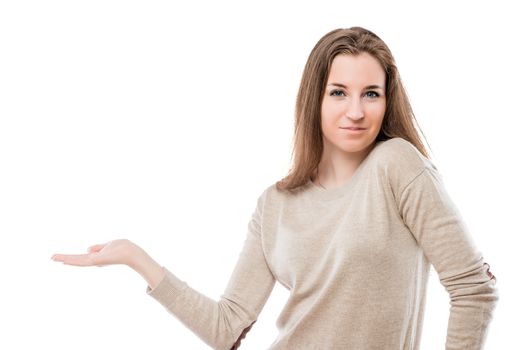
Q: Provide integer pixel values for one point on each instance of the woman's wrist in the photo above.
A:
(148, 268)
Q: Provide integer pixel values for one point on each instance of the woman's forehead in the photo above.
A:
(362, 70)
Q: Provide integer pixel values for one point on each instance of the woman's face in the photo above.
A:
(354, 97)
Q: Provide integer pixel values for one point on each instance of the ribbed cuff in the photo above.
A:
(168, 289)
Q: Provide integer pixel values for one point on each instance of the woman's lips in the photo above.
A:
(354, 130)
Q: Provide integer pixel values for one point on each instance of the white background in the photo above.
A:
(162, 122)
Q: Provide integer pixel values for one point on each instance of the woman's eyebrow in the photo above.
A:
(367, 87)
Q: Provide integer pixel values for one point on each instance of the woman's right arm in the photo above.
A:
(222, 324)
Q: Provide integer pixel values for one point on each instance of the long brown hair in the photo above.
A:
(399, 119)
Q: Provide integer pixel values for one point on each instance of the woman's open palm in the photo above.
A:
(119, 251)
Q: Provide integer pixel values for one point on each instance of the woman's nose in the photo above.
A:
(354, 109)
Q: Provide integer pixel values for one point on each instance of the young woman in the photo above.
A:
(351, 230)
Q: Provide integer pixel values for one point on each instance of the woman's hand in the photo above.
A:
(120, 251)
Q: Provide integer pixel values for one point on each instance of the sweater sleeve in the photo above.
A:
(222, 324)
(437, 226)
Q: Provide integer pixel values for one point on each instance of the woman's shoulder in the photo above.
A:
(400, 161)
(402, 154)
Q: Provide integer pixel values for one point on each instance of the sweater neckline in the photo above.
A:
(337, 192)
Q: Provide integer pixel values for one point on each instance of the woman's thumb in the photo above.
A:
(95, 248)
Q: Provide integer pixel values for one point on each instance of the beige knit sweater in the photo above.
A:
(356, 261)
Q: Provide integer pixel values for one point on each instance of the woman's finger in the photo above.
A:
(76, 259)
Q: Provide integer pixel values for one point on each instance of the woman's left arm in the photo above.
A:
(436, 224)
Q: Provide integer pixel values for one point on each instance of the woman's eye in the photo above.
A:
(373, 92)
(336, 93)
